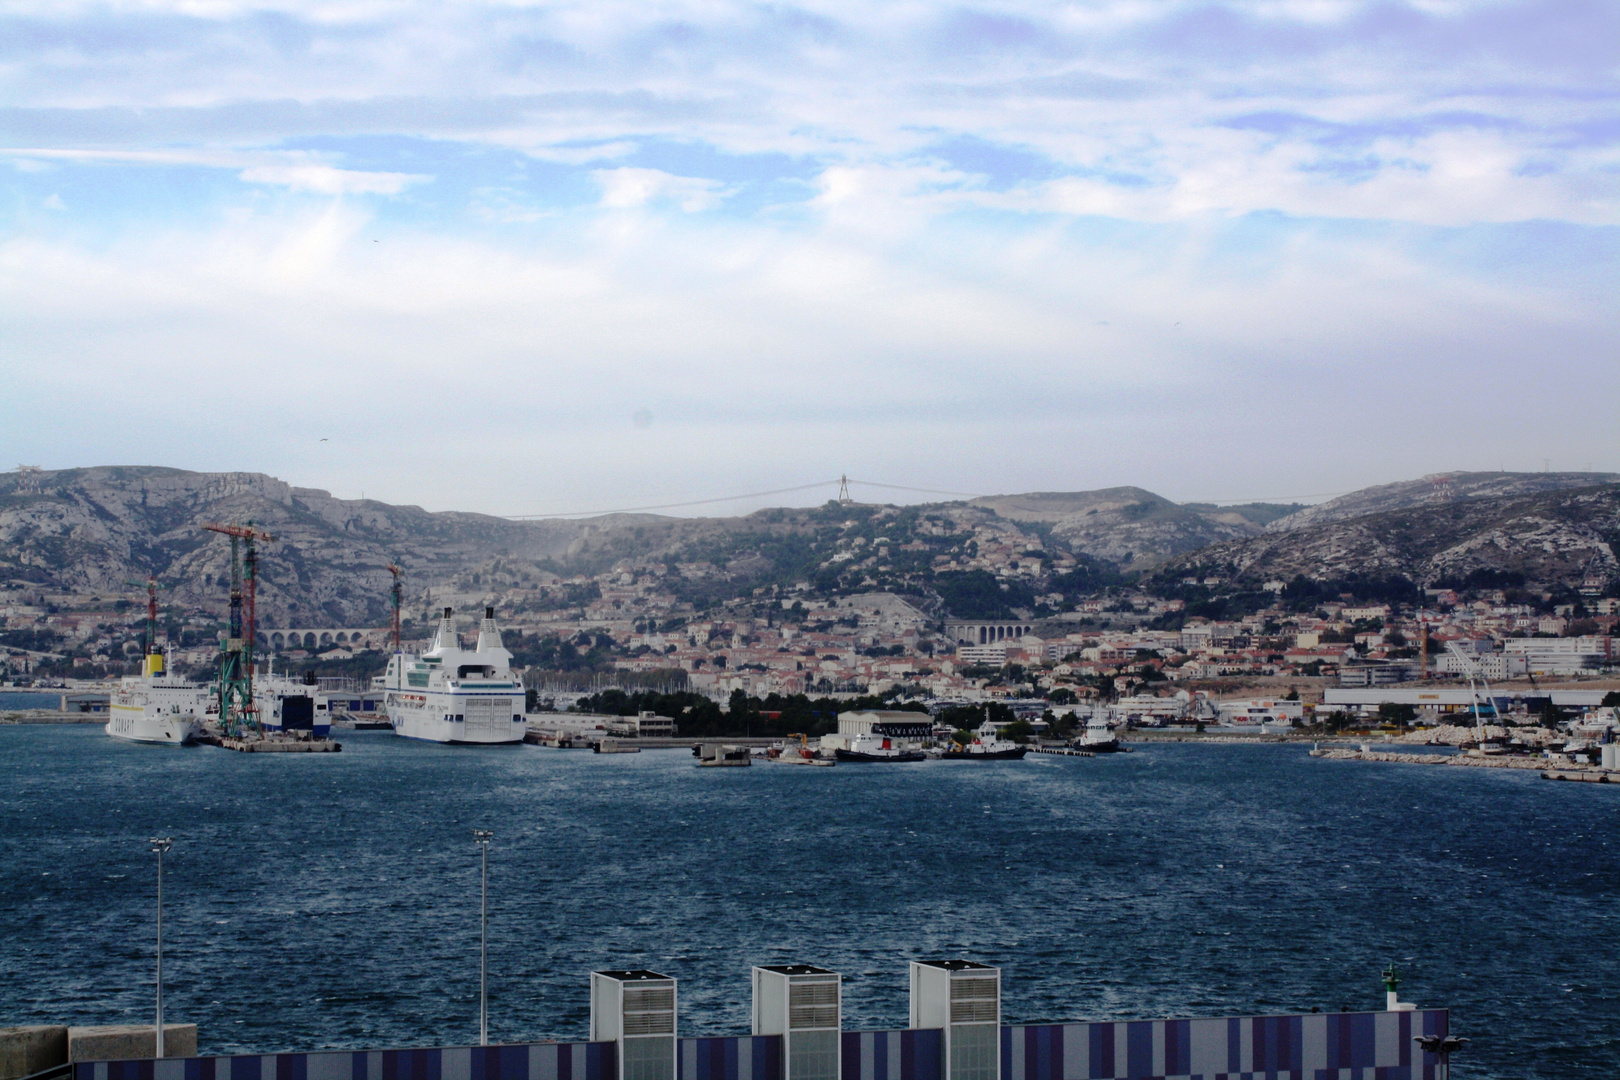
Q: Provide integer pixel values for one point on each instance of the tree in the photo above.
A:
(1396, 714)
(1018, 730)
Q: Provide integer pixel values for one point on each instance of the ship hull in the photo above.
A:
(859, 757)
(1014, 754)
(160, 730)
(497, 719)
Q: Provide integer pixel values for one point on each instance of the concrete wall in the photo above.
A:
(127, 1041)
(27, 1050)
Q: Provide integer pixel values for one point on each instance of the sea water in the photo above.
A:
(331, 900)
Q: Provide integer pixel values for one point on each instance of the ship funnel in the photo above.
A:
(446, 636)
(489, 635)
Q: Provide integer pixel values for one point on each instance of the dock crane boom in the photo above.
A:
(1471, 669)
(236, 708)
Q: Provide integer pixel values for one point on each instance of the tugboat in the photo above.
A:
(987, 745)
(873, 747)
(1099, 739)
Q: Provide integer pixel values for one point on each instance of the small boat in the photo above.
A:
(987, 745)
(721, 755)
(877, 748)
(786, 753)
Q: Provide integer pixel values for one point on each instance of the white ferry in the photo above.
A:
(153, 707)
(455, 695)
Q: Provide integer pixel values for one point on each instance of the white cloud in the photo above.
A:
(624, 188)
(325, 180)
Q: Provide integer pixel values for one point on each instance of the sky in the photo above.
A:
(535, 258)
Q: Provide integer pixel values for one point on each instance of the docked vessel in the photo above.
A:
(1099, 738)
(455, 695)
(789, 753)
(987, 745)
(155, 707)
(286, 704)
(877, 748)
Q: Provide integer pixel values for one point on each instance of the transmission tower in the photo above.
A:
(843, 492)
(236, 709)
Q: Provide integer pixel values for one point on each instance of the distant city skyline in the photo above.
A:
(565, 257)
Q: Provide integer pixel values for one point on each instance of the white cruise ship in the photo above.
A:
(455, 695)
(154, 707)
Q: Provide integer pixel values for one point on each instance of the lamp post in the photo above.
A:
(482, 837)
(160, 844)
(1442, 1047)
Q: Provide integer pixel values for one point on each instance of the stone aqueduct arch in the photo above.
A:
(319, 637)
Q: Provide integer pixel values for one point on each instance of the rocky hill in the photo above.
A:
(1552, 538)
(90, 530)
(1133, 528)
(1434, 489)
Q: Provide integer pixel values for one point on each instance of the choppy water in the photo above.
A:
(331, 900)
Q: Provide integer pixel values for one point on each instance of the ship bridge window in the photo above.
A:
(474, 669)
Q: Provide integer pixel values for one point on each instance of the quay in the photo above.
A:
(1588, 776)
(1591, 774)
(270, 745)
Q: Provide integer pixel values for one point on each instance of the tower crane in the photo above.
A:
(236, 708)
(395, 594)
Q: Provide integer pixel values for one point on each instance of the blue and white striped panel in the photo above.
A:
(536, 1061)
(1317, 1046)
(741, 1057)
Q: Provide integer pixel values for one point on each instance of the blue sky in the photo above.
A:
(532, 257)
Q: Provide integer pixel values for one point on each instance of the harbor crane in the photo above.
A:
(1471, 668)
(236, 709)
(395, 594)
(151, 656)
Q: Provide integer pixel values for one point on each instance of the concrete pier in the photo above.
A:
(122, 1041)
(31, 1049)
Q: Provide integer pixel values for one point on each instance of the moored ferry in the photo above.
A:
(155, 707)
(454, 695)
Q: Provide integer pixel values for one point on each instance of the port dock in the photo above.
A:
(270, 744)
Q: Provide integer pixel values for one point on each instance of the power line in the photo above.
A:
(673, 506)
(924, 491)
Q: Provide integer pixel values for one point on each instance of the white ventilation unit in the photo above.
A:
(804, 1005)
(636, 1009)
(963, 999)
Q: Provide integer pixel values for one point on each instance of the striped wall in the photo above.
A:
(1317, 1046)
(892, 1055)
(746, 1057)
(537, 1061)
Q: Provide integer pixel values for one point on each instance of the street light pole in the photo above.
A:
(482, 837)
(160, 844)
